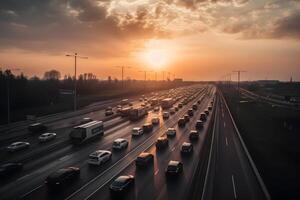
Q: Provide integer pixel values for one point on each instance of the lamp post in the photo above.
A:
(75, 74)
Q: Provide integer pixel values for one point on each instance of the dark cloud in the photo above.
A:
(288, 26)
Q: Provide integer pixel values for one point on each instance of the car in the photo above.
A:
(85, 120)
(174, 168)
(171, 132)
(195, 107)
(172, 111)
(136, 131)
(143, 105)
(37, 128)
(166, 115)
(130, 104)
(99, 157)
(190, 112)
(162, 142)
(122, 184)
(62, 177)
(181, 122)
(186, 148)
(209, 107)
(47, 137)
(144, 159)
(199, 124)
(194, 135)
(156, 109)
(147, 127)
(109, 111)
(176, 109)
(199, 101)
(186, 118)
(120, 143)
(9, 169)
(206, 111)
(141, 99)
(180, 105)
(17, 146)
(203, 116)
(155, 120)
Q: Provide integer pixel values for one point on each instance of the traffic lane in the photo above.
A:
(150, 183)
(234, 176)
(36, 147)
(108, 139)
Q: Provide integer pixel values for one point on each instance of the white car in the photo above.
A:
(120, 143)
(166, 115)
(99, 157)
(155, 120)
(16, 146)
(171, 132)
(156, 109)
(137, 131)
(47, 136)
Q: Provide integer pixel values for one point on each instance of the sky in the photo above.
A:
(191, 39)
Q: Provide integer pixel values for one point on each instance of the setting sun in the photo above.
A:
(156, 58)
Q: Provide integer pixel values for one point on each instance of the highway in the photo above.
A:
(231, 173)
(29, 184)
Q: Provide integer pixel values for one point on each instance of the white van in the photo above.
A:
(99, 157)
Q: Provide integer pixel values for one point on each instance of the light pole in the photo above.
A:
(75, 74)
(122, 67)
(238, 81)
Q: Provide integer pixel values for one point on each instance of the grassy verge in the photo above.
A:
(272, 136)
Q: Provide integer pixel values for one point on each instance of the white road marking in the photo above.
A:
(31, 191)
(173, 148)
(226, 141)
(224, 124)
(64, 158)
(156, 172)
(233, 185)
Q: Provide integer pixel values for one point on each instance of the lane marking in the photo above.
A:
(31, 191)
(224, 124)
(156, 172)
(173, 148)
(226, 141)
(233, 185)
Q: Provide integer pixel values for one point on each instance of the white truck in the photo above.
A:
(87, 131)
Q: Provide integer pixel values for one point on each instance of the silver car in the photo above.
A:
(47, 136)
(16, 146)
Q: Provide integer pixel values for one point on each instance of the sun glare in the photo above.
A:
(156, 58)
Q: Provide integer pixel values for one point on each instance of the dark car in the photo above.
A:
(176, 108)
(203, 116)
(199, 101)
(37, 128)
(62, 176)
(199, 124)
(206, 111)
(122, 184)
(181, 122)
(180, 105)
(186, 118)
(195, 107)
(186, 148)
(209, 108)
(190, 112)
(174, 168)
(10, 168)
(162, 142)
(144, 159)
(194, 135)
(148, 127)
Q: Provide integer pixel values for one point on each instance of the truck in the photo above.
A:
(84, 132)
(125, 111)
(167, 103)
(137, 113)
(124, 102)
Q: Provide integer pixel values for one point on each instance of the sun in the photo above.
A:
(156, 58)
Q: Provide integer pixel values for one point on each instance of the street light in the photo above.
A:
(75, 86)
(122, 67)
(8, 94)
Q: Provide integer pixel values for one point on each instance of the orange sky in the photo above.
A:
(195, 40)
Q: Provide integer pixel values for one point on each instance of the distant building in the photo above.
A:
(267, 82)
(178, 80)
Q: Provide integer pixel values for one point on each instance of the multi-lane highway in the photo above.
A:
(220, 166)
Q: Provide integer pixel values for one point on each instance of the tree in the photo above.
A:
(52, 75)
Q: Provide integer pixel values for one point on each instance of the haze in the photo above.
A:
(194, 39)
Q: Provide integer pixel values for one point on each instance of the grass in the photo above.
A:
(272, 136)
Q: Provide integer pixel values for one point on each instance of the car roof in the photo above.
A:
(120, 140)
(122, 179)
(186, 144)
(99, 152)
(136, 128)
(173, 163)
(144, 154)
(15, 143)
(162, 138)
